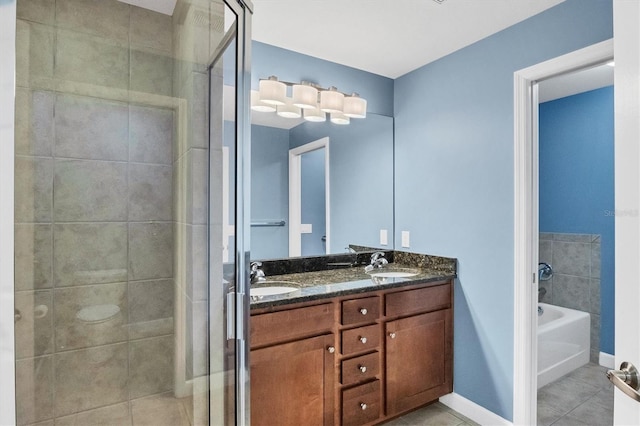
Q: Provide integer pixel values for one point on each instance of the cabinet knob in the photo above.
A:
(363, 406)
(363, 340)
(363, 311)
(392, 335)
(331, 349)
(363, 369)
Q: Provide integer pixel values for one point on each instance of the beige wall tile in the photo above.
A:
(91, 128)
(161, 410)
(105, 18)
(89, 254)
(199, 112)
(198, 203)
(151, 71)
(90, 191)
(34, 54)
(34, 330)
(151, 29)
(151, 366)
(104, 304)
(117, 414)
(34, 389)
(33, 189)
(34, 122)
(91, 59)
(33, 256)
(42, 11)
(150, 251)
(90, 378)
(197, 267)
(151, 308)
(150, 135)
(150, 192)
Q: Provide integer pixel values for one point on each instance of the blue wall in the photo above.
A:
(269, 191)
(455, 177)
(577, 181)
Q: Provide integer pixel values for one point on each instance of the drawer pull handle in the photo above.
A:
(331, 349)
(363, 369)
(363, 406)
(363, 311)
(392, 335)
(363, 340)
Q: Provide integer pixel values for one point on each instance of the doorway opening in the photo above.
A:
(526, 166)
(576, 246)
(309, 195)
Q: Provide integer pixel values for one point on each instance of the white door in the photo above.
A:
(627, 190)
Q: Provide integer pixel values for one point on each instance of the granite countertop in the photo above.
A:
(344, 281)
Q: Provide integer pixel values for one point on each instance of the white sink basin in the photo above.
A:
(398, 273)
(272, 289)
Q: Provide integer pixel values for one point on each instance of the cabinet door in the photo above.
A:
(293, 383)
(419, 360)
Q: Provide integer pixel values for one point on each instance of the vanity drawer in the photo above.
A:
(274, 327)
(419, 300)
(360, 369)
(360, 339)
(361, 405)
(360, 310)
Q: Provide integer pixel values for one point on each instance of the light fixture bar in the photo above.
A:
(308, 100)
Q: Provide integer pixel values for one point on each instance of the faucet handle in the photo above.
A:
(255, 266)
(375, 256)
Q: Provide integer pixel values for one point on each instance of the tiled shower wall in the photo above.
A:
(94, 232)
(575, 259)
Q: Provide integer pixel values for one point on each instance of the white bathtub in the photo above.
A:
(563, 342)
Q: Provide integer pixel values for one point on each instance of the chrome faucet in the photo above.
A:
(256, 275)
(378, 260)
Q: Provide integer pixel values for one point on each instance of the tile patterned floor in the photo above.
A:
(436, 414)
(582, 397)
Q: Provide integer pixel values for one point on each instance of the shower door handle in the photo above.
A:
(626, 379)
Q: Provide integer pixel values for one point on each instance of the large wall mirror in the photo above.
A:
(317, 187)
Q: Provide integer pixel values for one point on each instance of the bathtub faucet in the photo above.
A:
(541, 292)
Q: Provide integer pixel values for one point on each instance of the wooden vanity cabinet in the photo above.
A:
(353, 360)
(418, 348)
(292, 365)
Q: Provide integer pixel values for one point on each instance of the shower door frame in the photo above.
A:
(8, 21)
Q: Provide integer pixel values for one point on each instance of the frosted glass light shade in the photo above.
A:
(355, 106)
(339, 118)
(331, 100)
(258, 105)
(289, 110)
(272, 91)
(314, 114)
(305, 96)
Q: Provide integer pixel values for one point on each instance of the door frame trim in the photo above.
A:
(526, 217)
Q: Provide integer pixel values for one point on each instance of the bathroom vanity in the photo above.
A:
(350, 348)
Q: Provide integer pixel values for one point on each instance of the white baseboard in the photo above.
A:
(607, 360)
(473, 411)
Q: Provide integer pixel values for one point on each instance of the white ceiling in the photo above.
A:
(385, 37)
(576, 82)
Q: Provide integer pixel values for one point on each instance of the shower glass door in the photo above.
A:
(127, 196)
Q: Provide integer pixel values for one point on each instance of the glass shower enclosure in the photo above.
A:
(130, 247)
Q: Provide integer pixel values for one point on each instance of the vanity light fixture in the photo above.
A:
(308, 100)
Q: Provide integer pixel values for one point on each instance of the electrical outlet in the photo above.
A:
(384, 239)
(405, 239)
